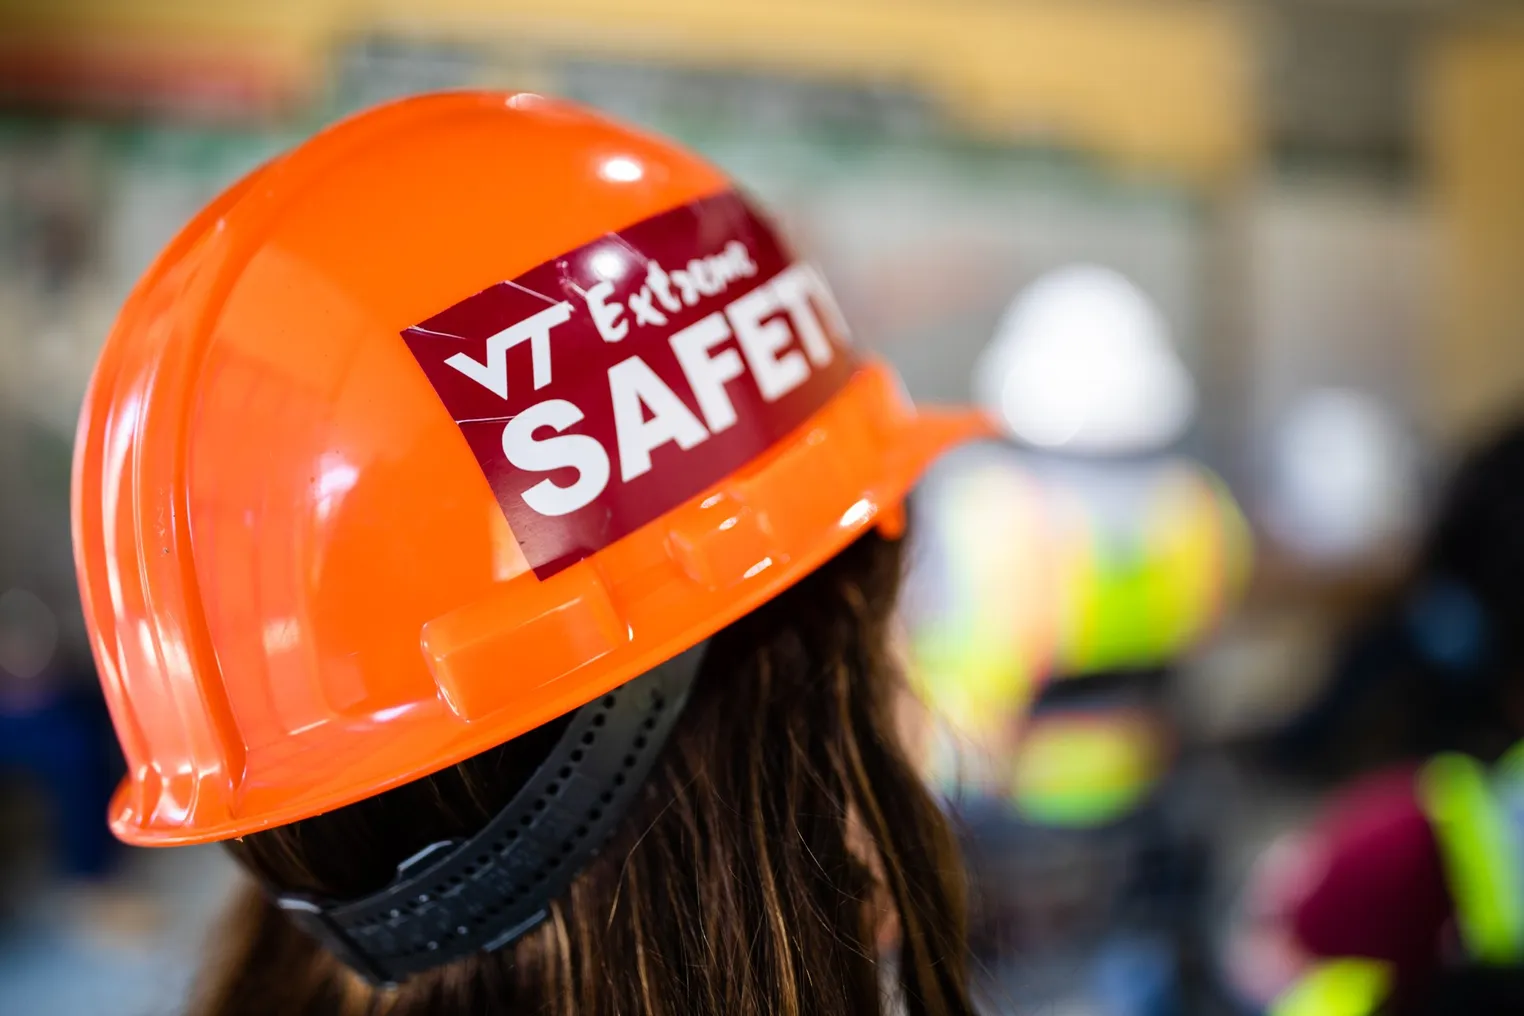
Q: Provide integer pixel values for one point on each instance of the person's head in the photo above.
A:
(1477, 538)
(780, 831)
(486, 529)
(1438, 664)
(1465, 609)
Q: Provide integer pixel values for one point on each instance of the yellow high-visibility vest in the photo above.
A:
(1478, 822)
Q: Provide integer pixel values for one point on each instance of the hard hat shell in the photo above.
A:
(307, 548)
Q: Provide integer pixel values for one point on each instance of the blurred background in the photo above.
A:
(1245, 281)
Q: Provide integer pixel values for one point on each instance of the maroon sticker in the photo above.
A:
(607, 386)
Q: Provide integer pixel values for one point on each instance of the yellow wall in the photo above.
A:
(1475, 105)
(1161, 84)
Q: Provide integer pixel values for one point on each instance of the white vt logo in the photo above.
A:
(493, 375)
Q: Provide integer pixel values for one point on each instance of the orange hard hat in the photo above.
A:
(444, 424)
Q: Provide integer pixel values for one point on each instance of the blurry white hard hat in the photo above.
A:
(1082, 362)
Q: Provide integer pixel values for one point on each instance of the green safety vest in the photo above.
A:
(1478, 821)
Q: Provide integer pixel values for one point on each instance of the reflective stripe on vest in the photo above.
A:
(1481, 845)
(1347, 987)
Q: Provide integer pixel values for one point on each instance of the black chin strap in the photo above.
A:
(458, 897)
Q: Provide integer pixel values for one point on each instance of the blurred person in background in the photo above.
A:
(632, 749)
(1059, 579)
(1439, 664)
(57, 753)
(1406, 895)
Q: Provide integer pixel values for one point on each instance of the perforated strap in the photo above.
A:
(462, 896)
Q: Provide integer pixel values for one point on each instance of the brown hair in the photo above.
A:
(781, 829)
